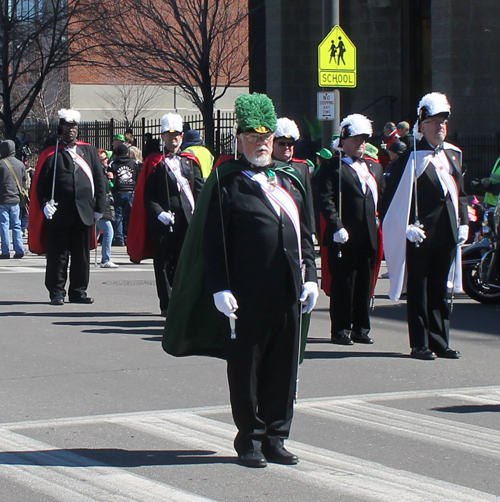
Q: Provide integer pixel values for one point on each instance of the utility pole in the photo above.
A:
(331, 18)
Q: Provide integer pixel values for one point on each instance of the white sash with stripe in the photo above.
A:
(82, 163)
(443, 173)
(280, 199)
(364, 174)
(183, 182)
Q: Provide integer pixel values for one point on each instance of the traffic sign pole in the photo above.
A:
(331, 17)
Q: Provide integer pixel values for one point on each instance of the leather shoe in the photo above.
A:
(57, 300)
(422, 353)
(82, 299)
(361, 338)
(448, 353)
(342, 339)
(279, 455)
(252, 458)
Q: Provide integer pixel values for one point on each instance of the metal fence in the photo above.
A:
(101, 133)
(480, 151)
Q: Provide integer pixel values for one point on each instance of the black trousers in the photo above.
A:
(262, 372)
(350, 289)
(166, 250)
(427, 305)
(64, 242)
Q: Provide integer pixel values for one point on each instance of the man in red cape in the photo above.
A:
(165, 198)
(69, 196)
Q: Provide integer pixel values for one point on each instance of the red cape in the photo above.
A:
(37, 238)
(139, 241)
(326, 278)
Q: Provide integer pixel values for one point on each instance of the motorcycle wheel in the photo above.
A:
(476, 288)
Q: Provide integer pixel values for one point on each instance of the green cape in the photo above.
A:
(194, 325)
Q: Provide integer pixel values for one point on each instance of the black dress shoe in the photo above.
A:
(57, 300)
(82, 299)
(252, 458)
(448, 353)
(279, 455)
(422, 353)
(342, 339)
(361, 338)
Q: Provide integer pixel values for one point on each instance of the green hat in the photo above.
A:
(371, 151)
(121, 137)
(255, 112)
(325, 153)
(310, 163)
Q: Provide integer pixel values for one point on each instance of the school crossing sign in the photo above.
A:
(337, 60)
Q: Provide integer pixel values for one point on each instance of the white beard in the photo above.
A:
(260, 160)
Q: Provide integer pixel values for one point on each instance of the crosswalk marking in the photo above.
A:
(65, 475)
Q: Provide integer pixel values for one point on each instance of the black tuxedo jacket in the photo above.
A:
(73, 192)
(162, 193)
(359, 216)
(435, 210)
(261, 247)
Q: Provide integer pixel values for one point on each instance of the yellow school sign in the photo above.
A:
(337, 60)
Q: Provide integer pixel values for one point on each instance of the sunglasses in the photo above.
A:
(285, 143)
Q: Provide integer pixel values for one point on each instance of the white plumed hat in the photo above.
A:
(355, 125)
(432, 104)
(69, 116)
(287, 128)
(171, 122)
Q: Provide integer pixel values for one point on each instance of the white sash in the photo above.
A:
(82, 163)
(443, 173)
(181, 180)
(364, 174)
(280, 197)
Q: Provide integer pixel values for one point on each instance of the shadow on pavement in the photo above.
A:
(340, 355)
(470, 408)
(112, 457)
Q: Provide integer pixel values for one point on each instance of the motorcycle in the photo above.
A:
(481, 261)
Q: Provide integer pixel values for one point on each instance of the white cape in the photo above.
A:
(396, 221)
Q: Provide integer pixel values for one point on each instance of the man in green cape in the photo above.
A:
(248, 256)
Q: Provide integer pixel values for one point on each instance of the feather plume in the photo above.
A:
(287, 128)
(354, 125)
(171, 122)
(70, 116)
(432, 104)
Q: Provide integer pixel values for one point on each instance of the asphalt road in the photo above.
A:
(92, 409)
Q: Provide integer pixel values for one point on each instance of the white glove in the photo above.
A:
(341, 236)
(97, 216)
(463, 234)
(49, 209)
(415, 234)
(309, 296)
(226, 303)
(167, 217)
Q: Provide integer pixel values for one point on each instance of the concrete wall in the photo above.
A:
(99, 102)
(466, 61)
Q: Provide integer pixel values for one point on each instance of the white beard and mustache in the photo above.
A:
(260, 158)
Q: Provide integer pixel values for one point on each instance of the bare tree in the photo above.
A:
(52, 96)
(130, 101)
(197, 45)
(36, 38)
